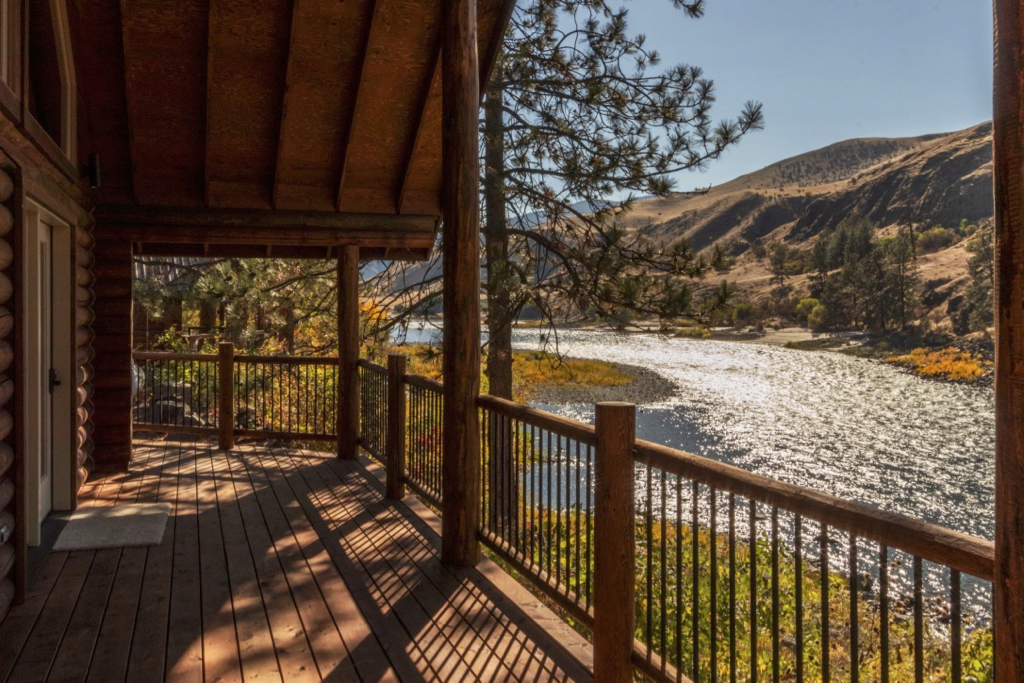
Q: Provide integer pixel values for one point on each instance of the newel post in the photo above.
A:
(395, 454)
(614, 579)
(226, 395)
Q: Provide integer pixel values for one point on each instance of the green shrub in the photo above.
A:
(935, 239)
(817, 319)
(742, 312)
(805, 308)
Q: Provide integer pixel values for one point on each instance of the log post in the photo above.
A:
(1008, 177)
(614, 580)
(112, 325)
(395, 455)
(460, 469)
(226, 395)
(348, 352)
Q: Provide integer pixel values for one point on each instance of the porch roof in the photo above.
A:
(326, 114)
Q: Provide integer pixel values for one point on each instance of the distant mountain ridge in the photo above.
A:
(935, 179)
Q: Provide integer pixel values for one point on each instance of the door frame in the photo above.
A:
(62, 438)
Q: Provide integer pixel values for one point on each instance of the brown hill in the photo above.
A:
(932, 180)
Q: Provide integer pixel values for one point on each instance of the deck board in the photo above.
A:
(277, 564)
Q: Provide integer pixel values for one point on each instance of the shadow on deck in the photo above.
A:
(276, 563)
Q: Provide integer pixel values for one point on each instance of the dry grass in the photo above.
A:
(948, 363)
(530, 369)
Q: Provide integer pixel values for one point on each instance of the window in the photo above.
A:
(51, 76)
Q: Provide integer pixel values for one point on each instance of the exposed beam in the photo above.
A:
(169, 216)
(206, 104)
(460, 166)
(414, 141)
(288, 251)
(493, 48)
(133, 152)
(289, 74)
(367, 36)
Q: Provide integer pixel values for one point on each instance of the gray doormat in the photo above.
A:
(114, 526)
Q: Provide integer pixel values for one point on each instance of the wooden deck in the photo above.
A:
(280, 565)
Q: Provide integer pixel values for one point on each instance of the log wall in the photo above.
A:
(11, 534)
(84, 299)
(109, 372)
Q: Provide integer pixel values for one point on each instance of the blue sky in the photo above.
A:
(830, 70)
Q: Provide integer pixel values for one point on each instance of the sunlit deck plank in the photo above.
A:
(277, 564)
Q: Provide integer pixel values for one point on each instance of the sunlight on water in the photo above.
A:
(854, 428)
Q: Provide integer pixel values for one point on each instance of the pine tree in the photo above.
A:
(576, 115)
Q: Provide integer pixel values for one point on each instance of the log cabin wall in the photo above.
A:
(10, 470)
(84, 353)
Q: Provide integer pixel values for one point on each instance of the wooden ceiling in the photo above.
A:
(315, 106)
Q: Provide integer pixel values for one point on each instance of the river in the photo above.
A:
(858, 429)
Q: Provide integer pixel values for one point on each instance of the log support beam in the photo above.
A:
(1008, 167)
(112, 325)
(461, 258)
(348, 352)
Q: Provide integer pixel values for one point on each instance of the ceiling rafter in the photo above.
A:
(367, 38)
(433, 76)
(133, 152)
(289, 74)
(206, 105)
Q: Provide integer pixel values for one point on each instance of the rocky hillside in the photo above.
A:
(933, 180)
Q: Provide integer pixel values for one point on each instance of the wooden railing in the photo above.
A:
(687, 568)
(273, 397)
(680, 566)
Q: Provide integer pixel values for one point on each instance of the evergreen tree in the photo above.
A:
(577, 114)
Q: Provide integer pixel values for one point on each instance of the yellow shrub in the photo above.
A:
(948, 363)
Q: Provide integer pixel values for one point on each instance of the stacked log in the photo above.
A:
(84, 317)
(110, 369)
(7, 444)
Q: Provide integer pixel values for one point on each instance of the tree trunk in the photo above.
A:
(498, 283)
(502, 480)
(207, 316)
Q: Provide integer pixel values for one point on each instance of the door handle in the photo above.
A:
(54, 382)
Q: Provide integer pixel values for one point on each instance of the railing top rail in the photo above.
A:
(241, 358)
(931, 542)
(288, 360)
(425, 383)
(573, 429)
(161, 355)
(372, 367)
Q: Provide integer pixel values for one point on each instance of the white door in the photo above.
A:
(48, 377)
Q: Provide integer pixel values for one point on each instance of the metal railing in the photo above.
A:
(273, 397)
(736, 576)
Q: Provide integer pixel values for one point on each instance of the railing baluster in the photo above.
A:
(732, 588)
(854, 618)
(918, 620)
(679, 577)
(695, 575)
(663, 621)
(883, 610)
(825, 612)
(798, 595)
(955, 624)
(776, 672)
(753, 591)
(713, 639)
